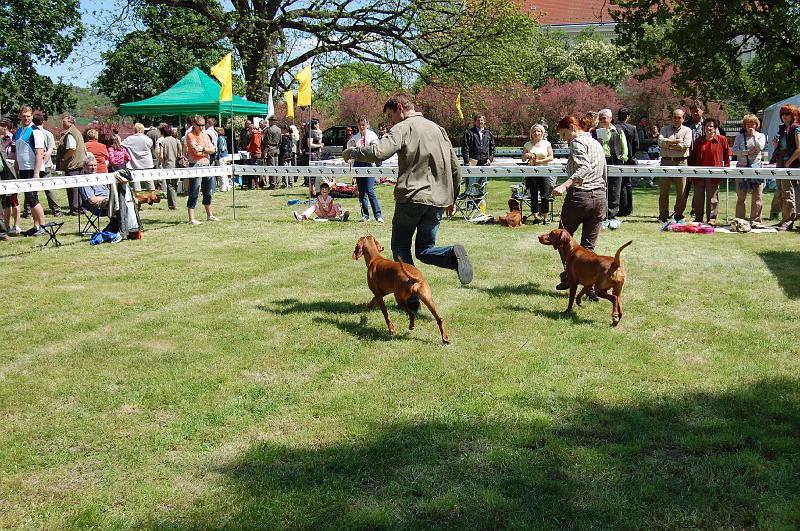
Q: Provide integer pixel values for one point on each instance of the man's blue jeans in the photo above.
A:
(424, 219)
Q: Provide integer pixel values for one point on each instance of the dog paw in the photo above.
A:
(445, 340)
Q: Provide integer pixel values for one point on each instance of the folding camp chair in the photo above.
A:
(89, 220)
(471, 203)
(521, 193)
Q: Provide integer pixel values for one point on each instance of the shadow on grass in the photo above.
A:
(290, 306)
(363, 331)
(529, 288)
(783, 266)
(702, 460)
(556, 315)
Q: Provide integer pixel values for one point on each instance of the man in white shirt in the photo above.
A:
(49, 150)
(29, 157)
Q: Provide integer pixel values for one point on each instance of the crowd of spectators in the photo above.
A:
(690, 139)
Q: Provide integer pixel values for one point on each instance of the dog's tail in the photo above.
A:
(411, 278)
(616, 256)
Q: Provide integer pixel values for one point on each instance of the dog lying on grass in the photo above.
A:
(404, 280)
(514, 216)
(590, 270)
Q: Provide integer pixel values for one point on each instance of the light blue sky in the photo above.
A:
(84, 64)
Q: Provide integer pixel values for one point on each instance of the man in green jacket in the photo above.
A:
(427, 185)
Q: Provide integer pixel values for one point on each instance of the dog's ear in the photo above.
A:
(378, 245)
(563, 237)
(358, 252)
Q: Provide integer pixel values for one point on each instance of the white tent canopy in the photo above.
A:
(772, 120)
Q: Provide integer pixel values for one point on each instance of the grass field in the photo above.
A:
(229, 375)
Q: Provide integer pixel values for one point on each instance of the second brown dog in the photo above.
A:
(147, 198)
(590, 270)
(404, 280)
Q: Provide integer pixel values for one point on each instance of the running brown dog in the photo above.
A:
(404, 280)
(149, 198)
(590, 270)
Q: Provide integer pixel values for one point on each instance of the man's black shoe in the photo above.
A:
(562, 285)
(464, 267)
(592, 296)
(25, 214)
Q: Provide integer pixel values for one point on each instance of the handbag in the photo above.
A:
(182, 161)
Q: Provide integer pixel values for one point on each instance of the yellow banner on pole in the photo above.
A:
(288, 96)
(222, 71)
(304, 92)
(458, 106)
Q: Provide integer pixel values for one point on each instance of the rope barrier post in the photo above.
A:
(727, 197)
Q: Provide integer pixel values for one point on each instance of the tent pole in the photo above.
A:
(233, 184)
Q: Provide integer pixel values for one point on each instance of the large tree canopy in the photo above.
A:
(273, 38)
(166, 43)
(44, 31)
(706, 40)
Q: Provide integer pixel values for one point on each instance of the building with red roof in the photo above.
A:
(573, 16)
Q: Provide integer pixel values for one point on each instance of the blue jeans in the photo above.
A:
(194, 189)
(424, 219)
(366, 189)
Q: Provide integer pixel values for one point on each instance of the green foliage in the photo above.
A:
(333, 80)
(521, 52)
(41, 31)
(706, 40)
(148, 61)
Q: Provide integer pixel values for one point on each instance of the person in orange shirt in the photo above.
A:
(198, 148)
(254, 148)
(97, 149)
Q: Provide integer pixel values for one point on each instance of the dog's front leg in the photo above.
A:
(573, 288)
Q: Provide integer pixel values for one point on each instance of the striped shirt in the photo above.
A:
(587, 163)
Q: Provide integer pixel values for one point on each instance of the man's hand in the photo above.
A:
(346, 155)
(449, 211)
(488, 163)
(559, 190)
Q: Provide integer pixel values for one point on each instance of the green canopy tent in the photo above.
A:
(195, 93)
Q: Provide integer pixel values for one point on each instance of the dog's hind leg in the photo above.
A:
(425, 295)
(618, 294)
(615, 316)
(389, 322)
(403, 303)
(583, 291)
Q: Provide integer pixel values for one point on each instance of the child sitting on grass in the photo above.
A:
(325, 208)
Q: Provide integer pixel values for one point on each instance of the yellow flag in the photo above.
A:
(288, 96)
(222, 71)
(458, 106)
(304, 92)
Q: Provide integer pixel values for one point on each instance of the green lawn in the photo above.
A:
(229, 375)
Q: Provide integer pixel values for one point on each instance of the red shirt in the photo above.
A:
(714, 152)
(100, 153)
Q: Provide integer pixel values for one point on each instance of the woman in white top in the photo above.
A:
(366, 185)
(747, 148)
(538, 152)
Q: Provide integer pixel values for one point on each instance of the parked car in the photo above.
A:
(335, 140)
